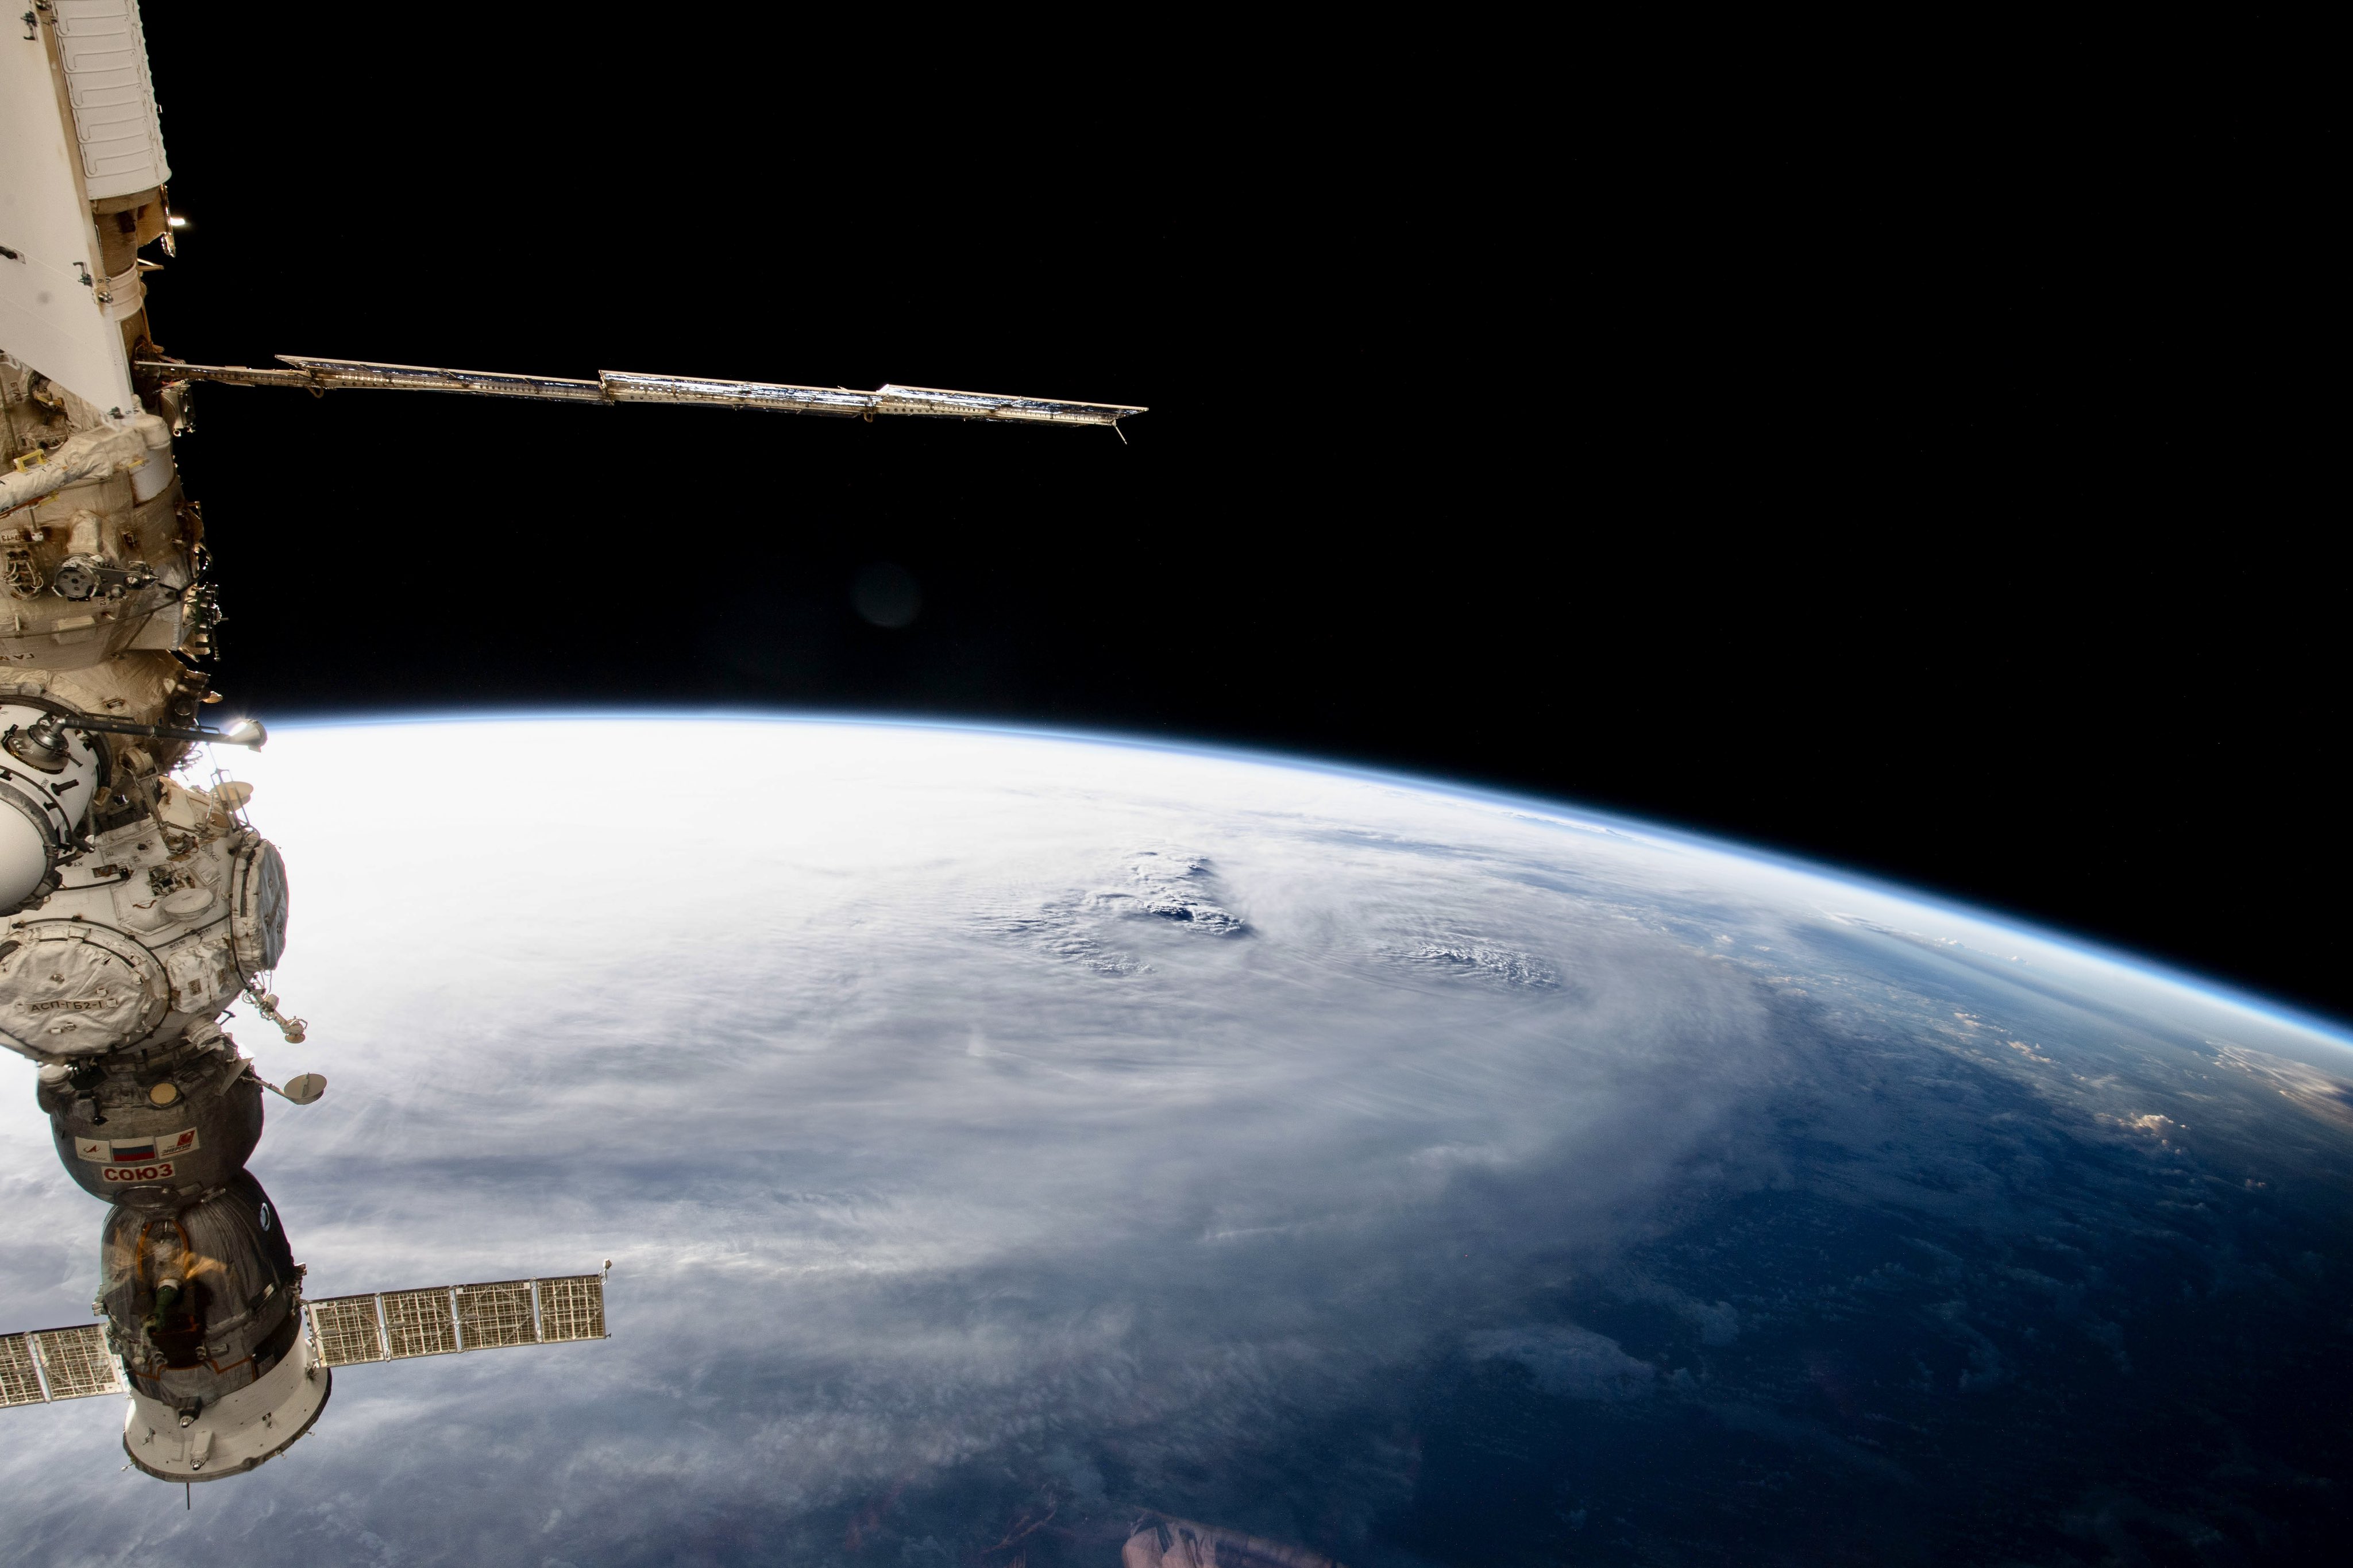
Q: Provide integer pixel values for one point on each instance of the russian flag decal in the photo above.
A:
(170, 1146)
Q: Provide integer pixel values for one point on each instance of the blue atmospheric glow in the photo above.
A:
(990, 1122)
(2219, 992)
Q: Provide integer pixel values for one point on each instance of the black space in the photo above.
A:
(1903, 479)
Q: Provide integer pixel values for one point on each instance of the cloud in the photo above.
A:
(2321, 1093)
(1567, 1360)
(977, 1119)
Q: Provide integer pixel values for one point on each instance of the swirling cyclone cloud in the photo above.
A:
(1002, 1137)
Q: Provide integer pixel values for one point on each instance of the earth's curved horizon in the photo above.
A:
(1000, 1133)
(2221, 989)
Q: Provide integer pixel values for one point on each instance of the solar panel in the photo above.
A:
(20, 1384)
(77, 1363)
(346, 1330)
(571, 1307)
(417, 1323)
(74, 1364)
(499, 1314)
(449, 1318)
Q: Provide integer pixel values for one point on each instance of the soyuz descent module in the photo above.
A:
(137, 902)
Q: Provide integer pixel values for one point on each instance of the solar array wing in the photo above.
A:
(395, 1325)
(345, 1330)
(571, 1307)
(50, 1364)
(57, 1363)
(490, 1316)
(20, 1383)
(76, 1363)
(417, 1323)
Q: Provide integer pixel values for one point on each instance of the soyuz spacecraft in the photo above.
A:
(137, 901)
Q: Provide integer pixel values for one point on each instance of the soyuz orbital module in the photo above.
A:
(137, 901)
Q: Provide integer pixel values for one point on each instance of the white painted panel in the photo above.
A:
(105, 54)
(49, 318)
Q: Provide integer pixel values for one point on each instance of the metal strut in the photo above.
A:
(325, 375)
(42, 732)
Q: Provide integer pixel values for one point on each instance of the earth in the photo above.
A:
(1001, 1138)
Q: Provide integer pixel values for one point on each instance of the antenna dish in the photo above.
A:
(304, 1088)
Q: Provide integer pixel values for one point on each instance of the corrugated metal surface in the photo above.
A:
(120, 136)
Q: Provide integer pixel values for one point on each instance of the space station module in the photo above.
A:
(136, 904)
(137, 901)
